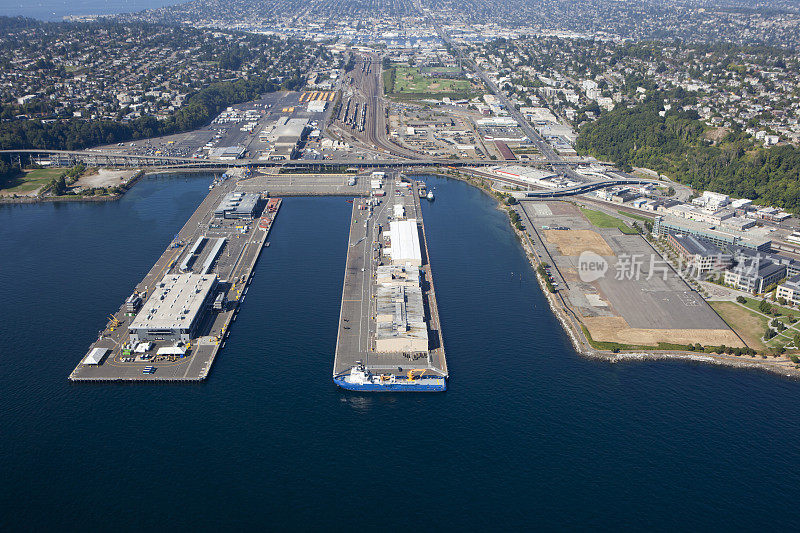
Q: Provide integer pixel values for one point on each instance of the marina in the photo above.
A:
(389, 335)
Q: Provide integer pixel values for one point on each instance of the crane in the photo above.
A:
(412, 374)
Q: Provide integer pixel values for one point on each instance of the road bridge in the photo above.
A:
(583, 188)
(114, 159)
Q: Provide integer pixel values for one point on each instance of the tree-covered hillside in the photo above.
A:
(676, 144)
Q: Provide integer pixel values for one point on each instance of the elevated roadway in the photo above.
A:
(107, 158)
(581, 189)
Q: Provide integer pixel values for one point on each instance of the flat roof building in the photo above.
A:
(175, 308)
(397, 275)
(701, 256)
(227, 153)
(790, 290)
(752, 239)
(404, 235)
(238, 205)
(400, 320)
(754, 275)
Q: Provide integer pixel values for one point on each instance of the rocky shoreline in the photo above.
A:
(581, 345)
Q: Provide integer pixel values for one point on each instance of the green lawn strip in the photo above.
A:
(777, 342)
(782, 337)
(388, 83)
(603, 220)
(634, 216)
(407, 83)
(753, 303)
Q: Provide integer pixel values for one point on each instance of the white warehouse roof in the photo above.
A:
(405, 242)
(175, 302)
(95, 356)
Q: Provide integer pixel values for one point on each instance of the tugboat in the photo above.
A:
(430, 196)
(361, 379)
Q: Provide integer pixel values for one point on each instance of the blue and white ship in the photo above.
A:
(361, 379)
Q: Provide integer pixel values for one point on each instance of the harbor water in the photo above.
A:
(55, 10)
(528, 435)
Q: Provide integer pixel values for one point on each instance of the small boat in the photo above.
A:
(430, 196)
(267, 244)
(361, 379)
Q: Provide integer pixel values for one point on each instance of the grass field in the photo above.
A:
(749, 325)
(602, 220)
(634, 216)
(409, 81)
(753, 304)
(32, 180)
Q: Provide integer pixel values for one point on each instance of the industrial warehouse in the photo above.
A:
(285, 138)
(174, 309)
(238, 205)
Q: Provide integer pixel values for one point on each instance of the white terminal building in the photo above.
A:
(175, 309)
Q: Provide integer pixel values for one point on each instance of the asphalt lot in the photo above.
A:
(307, 185)
(271, 107)
(638, 285)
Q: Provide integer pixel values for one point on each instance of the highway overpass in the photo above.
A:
(115, 159)
(584, 188)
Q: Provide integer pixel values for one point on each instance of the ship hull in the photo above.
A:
(434, 385)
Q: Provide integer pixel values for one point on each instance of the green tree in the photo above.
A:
(59, 185)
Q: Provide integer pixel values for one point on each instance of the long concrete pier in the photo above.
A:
(357, 334)
(208, 246)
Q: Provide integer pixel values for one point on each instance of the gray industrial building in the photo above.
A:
(227, 153)
(754, 275)
(175, 309)
(238, 205)
(400, 320)
(286, 138)
(717, 234)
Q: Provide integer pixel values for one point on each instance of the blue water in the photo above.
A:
(529, 435)
(54, 10)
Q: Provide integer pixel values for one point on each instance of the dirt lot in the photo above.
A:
(563, 209)
(574, 242)
(105, 178)
(616, 329)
